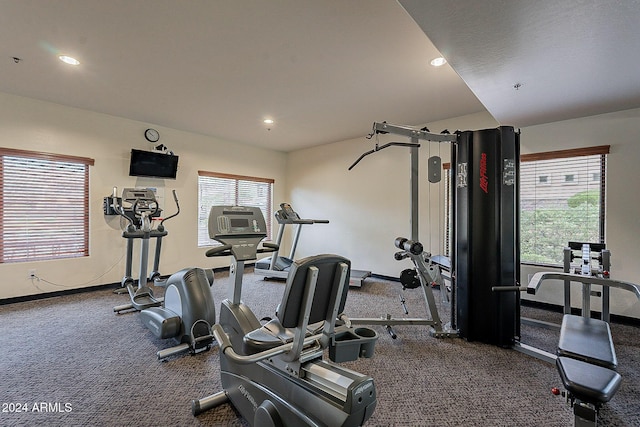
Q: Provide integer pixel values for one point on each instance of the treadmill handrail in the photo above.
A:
(539, 277)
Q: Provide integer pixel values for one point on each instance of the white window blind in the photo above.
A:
(562, 199)
(44, 206)
(224, 189)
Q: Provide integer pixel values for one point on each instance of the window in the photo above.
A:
(554, 211)
(223, 189)
(568, 209)
(44, 206)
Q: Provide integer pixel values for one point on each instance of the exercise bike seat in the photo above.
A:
(281, 329)
(272, 334)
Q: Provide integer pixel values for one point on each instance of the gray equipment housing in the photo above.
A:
(187, 314)
(275, 374)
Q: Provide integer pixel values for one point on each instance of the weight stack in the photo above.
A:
(486, 227)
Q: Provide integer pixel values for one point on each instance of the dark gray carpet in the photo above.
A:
(80, 364)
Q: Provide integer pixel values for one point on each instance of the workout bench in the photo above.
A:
(586, 359)
(587, 363)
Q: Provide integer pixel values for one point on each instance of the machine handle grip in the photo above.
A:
(226, 346)
(539, 277)
(219, 251)
(268, 247)
(175, 198)
(514, 288)
(302, 221)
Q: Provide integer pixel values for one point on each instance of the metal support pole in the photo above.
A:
(606, 295)
(567, 284)
(235, 275)
(415, 199)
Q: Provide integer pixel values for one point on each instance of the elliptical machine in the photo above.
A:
(187, 310)
(186, 314)
(141, 208)
(275, 374)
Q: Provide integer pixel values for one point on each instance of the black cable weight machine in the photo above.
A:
(485, 230)
(486, 234)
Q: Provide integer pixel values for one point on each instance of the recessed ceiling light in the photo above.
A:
(268, 121)
(69, 60)
(438, 62)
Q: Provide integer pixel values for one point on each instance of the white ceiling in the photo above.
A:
(572, 58)
(324, 70)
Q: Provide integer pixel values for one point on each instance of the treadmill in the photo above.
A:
(277, 267)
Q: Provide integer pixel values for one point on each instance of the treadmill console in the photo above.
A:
(286, 214)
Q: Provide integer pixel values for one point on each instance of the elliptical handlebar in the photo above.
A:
(120, 210)
(175, 198)
(143, 205)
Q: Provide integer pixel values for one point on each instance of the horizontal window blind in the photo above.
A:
(44, 207)
(562, 199)
(225, 189)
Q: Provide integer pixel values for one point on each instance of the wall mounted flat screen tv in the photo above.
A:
(153, 165)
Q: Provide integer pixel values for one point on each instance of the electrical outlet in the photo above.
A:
(32, 273)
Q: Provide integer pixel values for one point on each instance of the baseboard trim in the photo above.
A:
(54, 294)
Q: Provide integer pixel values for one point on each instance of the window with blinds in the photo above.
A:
(44, 206)
(224, 189)
(562, 199)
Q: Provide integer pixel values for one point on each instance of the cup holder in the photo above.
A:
(352, 344)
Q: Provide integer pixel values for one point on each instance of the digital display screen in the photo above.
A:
(239, 222)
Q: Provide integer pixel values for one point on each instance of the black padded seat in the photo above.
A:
(588, 340)
(586, 382)
(271, 335)
(280, 330)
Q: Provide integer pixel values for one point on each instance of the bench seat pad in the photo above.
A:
(586, 382)
(588, 340)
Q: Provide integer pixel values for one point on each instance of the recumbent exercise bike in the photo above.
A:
(274, 374)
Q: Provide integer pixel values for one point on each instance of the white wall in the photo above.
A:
(620, 130)
(369, 206)
(40, 126)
